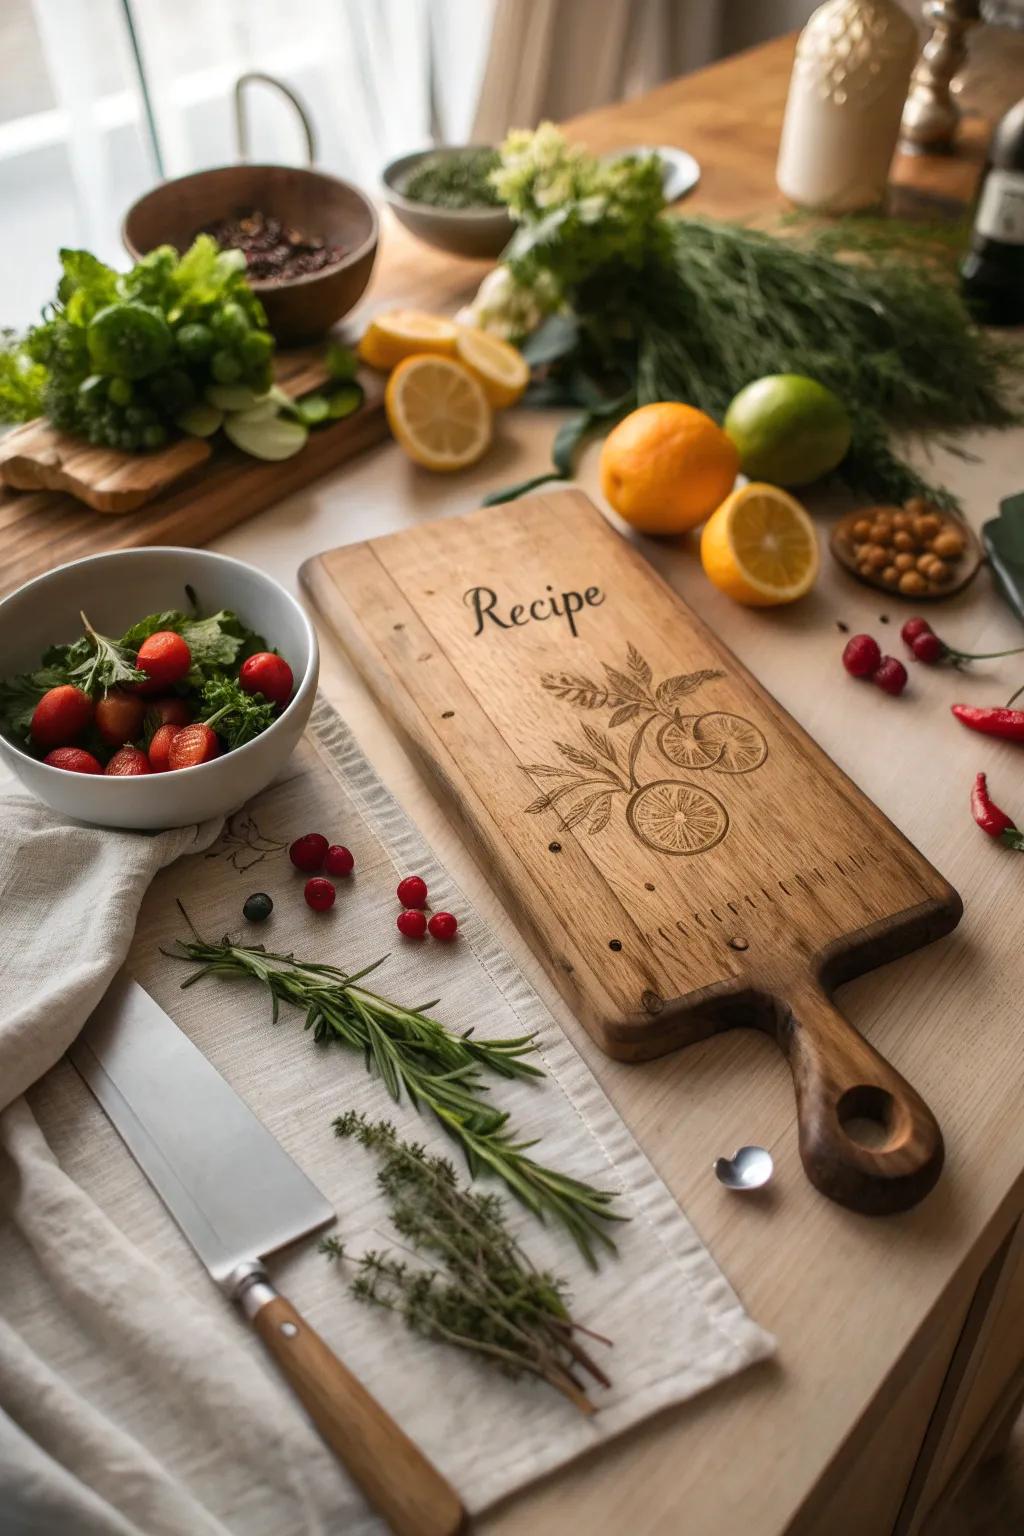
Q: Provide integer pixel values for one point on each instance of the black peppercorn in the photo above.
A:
(258, 907)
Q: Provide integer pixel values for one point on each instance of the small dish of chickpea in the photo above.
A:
(915, 551)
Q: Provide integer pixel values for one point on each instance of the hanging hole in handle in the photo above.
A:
(256, 76)
(868, 1114)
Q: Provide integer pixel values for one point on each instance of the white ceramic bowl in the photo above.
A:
(115, 590)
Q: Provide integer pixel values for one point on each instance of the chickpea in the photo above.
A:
(941, 572)
(927, 527)
(866, 570)
(890, 575)
(901, 520)
(916, 505)
(876, 557)
(862, 529)
(948, 544)
(902, 539)
(912, 584)
(881, 532)
(904, 561)
(934, 566)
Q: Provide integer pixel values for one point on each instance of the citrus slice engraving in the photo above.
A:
(681, 746)
(740, 746)
(676, 818)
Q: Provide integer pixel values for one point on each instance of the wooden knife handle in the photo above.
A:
(397, 1479)
(867, 1139)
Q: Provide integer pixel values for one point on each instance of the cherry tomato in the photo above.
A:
(119, 717)
(129, 763)
(165, 658)
(319, 895)
(412, 891)
(338, 860)
(61, 715)
(160, 747)
(193, 744)
(443, 926)
(170, 711)
(73, 760)
(412, 924)
(308, 852)
(267, 674)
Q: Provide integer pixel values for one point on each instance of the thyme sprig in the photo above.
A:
(481, 1293)
(418, 1056)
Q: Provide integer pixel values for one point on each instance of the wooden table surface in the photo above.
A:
(867, 1312)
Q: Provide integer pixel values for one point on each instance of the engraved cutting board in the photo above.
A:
(605, 754)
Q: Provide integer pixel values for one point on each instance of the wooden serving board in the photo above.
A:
(203, 494)
(681, 855)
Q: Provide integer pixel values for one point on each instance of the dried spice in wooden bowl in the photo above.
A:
(273, 251)
(915, 550)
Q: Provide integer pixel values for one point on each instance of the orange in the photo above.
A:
(666, 467)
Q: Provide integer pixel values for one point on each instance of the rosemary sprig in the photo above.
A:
(434, 1067)
(481, 1293)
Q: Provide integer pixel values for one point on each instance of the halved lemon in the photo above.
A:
(438, 412)
(404, 333)
(760, 547)
(501, 368)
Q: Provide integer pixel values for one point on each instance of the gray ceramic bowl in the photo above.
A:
(115, 590)
(478, 232)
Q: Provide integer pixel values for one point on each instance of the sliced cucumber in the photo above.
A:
(344, 401)
(261, 412)
(234, 397)
(313, 409)
(200, 420)
(271, 437)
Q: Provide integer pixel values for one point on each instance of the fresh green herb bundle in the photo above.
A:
(455, 178)
(481, 1293)
(647, 307)
(417, 1056)
(120, 358)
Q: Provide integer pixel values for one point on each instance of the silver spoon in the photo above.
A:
(748, 1168)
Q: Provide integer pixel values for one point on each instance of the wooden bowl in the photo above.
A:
(298, 308)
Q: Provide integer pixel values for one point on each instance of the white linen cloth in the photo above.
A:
(133, 1400)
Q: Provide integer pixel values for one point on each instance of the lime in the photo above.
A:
(788, 429)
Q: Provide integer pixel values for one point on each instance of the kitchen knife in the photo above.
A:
(237, 1196)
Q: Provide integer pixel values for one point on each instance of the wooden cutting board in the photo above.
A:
(681, 855)
(203, 494)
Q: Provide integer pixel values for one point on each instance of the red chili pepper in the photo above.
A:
(991, 819)
(1008, 723)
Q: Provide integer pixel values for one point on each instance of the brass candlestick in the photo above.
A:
(930, 116)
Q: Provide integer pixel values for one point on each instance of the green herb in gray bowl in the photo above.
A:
(455, 178)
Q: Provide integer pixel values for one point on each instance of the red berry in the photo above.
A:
(165, 658)
(914, 627)
(861, 655)
(192, 745)
(308, 853)
(170, 711)
(61, 714)
(890, 674)
(443, 926)
(129, 763)
(412, 891)
(412, 924)
(119, 717)
(928, 648)
(267, 674)
(160, 747)
(73, 760)
(338, 860)
(319, 895)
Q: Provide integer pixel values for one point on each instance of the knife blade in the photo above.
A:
(237, 1197)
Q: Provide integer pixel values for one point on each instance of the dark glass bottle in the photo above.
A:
(992, 273)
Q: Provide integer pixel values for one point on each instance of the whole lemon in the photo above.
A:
(789, 429)
(666, 467)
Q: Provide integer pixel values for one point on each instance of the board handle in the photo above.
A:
(397, 1479)
(867, 1138)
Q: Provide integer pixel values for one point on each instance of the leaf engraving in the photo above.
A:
(544, 770)
(601, 813)
(674, 688)
(625, 687)
(580, 811)
(581, 759)
(601, 743)
(575, 689)
(626, 712)
(639, 668)
(544, 802)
